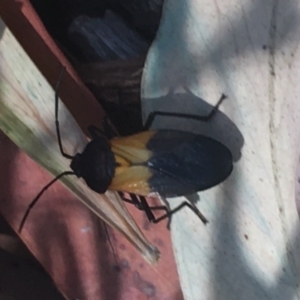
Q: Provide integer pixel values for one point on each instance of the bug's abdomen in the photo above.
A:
(168, 162)
(195, 165)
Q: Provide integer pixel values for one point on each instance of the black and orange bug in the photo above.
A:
(169, 163)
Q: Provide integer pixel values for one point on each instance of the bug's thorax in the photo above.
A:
(96, 164)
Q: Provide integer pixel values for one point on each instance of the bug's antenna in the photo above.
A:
(38, 196)
(56, 115)
(34, 201)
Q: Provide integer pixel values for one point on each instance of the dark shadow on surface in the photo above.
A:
(194, 198)
(21, 281)
(220, 127)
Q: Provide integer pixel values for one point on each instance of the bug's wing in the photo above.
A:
(131, 154)
(169, 162)
(187, 163)
(132, 180)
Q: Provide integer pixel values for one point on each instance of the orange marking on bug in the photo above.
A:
(133, 179)
(133, 148)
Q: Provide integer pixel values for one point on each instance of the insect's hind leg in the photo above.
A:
(154, 114)
(142, 204)
(134, 200)
(178, 208)
(167, 205)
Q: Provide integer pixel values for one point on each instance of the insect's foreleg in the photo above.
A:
(154, 114)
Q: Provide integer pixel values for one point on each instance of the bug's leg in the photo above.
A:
(168, 209)
(143, 205)
(95, 131)
(179, 207)
(154, 114)
(108, 130)
(134, 200)
(146, 208)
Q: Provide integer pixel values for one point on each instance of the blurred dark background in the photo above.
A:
(21, 276)
(107, 42)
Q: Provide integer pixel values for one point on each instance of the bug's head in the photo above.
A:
(96, 164)
(76, 165)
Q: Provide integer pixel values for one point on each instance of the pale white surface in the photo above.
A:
(250, 248)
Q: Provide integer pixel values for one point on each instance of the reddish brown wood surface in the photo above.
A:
(61, 233)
